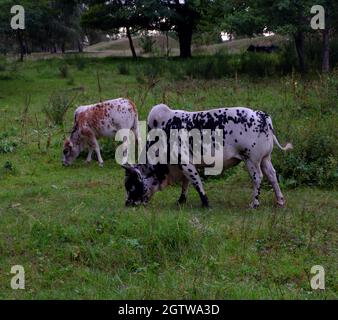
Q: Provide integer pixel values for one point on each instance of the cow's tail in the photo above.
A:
(288, 146)
(136, 131)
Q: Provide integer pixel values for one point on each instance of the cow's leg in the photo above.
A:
(92, 143)
(89, 157)
(95, 146)
(270, 173)
(185, 186)
(256, 176)
(190, 172)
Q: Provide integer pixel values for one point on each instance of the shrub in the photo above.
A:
(259, 64)
(7, 146)
(147, 44)
(7, 169)
(58, 105)
(123, 69)
(314, 159)
(149, 73)
(64, 71)
(2, 65)
(328, 93)
(79, 61)
(213, 67)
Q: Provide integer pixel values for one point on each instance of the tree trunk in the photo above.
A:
(80, 46)
(326, 51)
(167, 37)
(63, 47)
(299, 42)
(21, 45)
(185, 37)
(132, 48)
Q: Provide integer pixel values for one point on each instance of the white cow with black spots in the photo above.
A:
(248, 136)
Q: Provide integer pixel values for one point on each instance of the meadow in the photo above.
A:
(69, 227)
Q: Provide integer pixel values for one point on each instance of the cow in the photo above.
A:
(248, 136)
(103, 119)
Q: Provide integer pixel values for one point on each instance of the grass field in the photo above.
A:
(69, 227)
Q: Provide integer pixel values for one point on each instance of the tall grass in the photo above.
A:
(69, 227)
(59, 103)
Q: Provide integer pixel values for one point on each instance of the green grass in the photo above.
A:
(70, 230)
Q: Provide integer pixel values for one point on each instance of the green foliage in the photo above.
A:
(64, 71)
(149, 73)
(59, 104)
(123, 69)
(69, 226)
(313, 161)
(7, 145)
(8, 169)
(147, 44)
(77, 60)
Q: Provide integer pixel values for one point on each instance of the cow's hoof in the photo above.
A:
(254, 205)
(101, 164)
(281, 205)
(205, 201)
(182, 200)
(205, 205)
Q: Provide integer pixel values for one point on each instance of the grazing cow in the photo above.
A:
(103, 119)
(248, 136)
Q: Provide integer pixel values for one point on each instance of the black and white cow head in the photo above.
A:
(141, 182)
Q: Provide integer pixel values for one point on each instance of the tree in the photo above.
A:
(185, 17)
(64, 24)
(36, 17)
(116, 14)
(180, 16)
(290, 17)
(331, 24)
(48, 23)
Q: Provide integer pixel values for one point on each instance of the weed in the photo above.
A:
(123, 69)
(59, 104)
(64, 71)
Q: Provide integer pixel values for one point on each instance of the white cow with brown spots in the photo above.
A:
(94, 121)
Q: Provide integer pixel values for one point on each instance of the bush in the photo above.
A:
(64, 71)
(77, 60)
(7, 146)
(147, 44)
(2, 65)
(214, 67)
(314, 159)
(328, 93)
(7, 169)
(58, 105)
(123, 69)
(259, 64)
(222, 65)
(149, 73)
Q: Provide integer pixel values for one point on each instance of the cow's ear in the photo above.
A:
(133, 170)
(68, 143)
